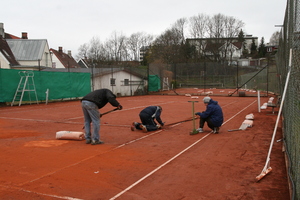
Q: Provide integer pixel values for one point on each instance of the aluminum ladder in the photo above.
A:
(26, 84)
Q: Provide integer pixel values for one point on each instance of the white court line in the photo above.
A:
(239, 112)
(173, 158)
(41, 120)
(155, 170)
(74, 164)
(61, 122)
(132, 141)
(48, 195)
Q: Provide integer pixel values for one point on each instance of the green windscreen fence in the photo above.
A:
(60, 85)
(154, 83)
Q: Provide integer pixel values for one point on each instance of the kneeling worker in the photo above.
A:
(213, 115)
(147, 117)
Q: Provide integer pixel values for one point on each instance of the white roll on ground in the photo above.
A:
(69, 135)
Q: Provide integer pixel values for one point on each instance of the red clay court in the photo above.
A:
(132, 165)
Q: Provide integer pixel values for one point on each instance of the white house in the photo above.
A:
(120, 81)
(31, 52)
(233, 51)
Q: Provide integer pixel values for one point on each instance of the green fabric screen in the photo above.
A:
(154, 83)
(60, 84)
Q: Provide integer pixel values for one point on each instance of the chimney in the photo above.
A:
(60, 49)
(70, 53)
(24, 35)
(2, 30)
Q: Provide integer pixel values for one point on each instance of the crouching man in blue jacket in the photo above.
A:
(147, 116)
(213, 115)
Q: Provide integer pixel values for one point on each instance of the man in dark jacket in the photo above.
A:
(147, 117)
(91, 103)
(213, 115)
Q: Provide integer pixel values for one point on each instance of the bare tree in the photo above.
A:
(221, 26)
(116, 47)
(198, 26)
(274, 40)
(83, 51)
(169, 46)
(135, 42)
(216, 26)
(95, 50)
(232, 26)
(179, 27)
(225, 30)
(198, 29)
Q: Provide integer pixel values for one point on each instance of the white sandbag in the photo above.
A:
(69, 135)
(249, 123)
(264, 106)
(250, 116)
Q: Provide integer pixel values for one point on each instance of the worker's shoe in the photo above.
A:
(97, 142)
(88, 141)
(144, 128)
(200, 130)
(133, 126)
(216, 130)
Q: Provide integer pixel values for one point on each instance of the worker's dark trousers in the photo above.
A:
(209, 123)
(147, 121)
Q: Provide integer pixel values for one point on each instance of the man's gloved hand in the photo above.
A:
(197, 113)
(120, 107)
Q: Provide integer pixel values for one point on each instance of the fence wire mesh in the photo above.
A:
(218, 75)
(289, 45)
(269, 75)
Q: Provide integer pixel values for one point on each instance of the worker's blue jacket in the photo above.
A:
(214, 112)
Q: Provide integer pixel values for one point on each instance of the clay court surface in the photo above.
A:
(168, 164)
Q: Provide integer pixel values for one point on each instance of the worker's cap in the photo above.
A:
(206, 99)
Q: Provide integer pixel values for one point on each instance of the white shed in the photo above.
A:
(121, 82)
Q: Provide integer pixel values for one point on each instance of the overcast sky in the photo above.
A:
(70, 24)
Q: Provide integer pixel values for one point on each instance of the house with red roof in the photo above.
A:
(7, 58)
(63, 60)
(23, 53)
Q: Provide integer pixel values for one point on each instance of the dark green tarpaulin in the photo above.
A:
(154, 83)
(60, 84)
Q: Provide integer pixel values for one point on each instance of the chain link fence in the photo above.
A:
(261, 76)
(289, 45)
(270, 75)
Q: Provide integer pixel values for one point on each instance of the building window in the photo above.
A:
(126, 81)
(112, 81)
